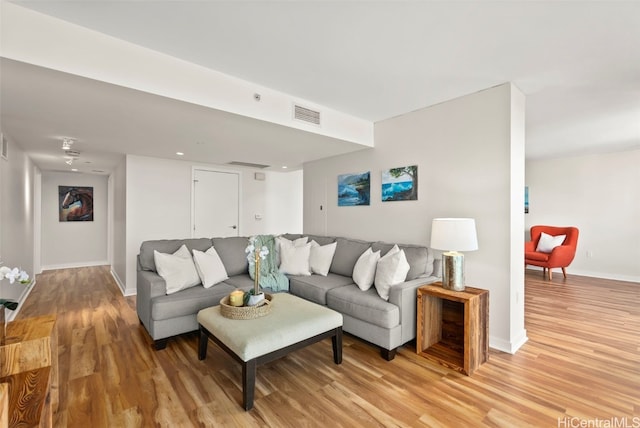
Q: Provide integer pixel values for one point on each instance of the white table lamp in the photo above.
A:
(452, 235)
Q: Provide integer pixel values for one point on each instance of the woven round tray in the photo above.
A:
(245, 312)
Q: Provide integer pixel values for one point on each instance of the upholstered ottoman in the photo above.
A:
(292, 324)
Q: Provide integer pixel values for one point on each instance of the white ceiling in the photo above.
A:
(41, 106)
(577, 62)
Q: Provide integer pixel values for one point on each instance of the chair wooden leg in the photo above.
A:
(564, 273)
(550, 274)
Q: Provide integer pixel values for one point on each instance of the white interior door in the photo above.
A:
(215, 203)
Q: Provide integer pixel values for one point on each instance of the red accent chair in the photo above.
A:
(560, 257)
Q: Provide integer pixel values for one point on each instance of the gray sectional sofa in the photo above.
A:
(387, 324)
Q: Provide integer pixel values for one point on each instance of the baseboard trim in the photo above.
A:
(75, 265)
(612, 276)
(591, 274)
(121, 285)
(508, 346)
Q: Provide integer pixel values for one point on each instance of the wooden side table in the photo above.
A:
(453, 326)
(28, 369)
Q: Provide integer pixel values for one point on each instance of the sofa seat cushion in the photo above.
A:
(315, 287)
(536, 256)
(363, 305)
(188, 302)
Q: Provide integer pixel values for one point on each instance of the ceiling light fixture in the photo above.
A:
(69, 161)
(284, 167)
(67, 143)
(180, 153)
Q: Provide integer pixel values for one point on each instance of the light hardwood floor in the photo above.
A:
(582, 361)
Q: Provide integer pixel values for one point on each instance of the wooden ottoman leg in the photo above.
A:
(336, 342)
(248, 383)
(203, 340)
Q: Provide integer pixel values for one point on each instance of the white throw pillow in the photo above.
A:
(392, 269)
(280, 241)
(177, 269)
(547, 243)
(295, 260)
(364, 272)
(209, 267)
(321, 257)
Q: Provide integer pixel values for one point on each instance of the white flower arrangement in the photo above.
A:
(255, 255)
(12, 275)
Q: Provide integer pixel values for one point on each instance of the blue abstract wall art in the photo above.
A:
(354, 189)
(400, 184)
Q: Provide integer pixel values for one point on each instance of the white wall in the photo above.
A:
(118, 183)
(284, 205)
(73, 244)
(470, 157)
(277, 199)
(600, 195)
(158, 204)
(16, 218)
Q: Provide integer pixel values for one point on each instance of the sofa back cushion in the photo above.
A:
(348, 251)
(292, 236)
(420, 258)
(231, 252)
(322, 240)
(168, 246)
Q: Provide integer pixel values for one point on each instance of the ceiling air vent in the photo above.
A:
(72, 153)
(248, 164)
(304, 114)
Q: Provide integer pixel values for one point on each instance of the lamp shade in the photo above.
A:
(454, 234)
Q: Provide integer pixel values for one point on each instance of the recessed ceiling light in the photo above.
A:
(284, 167)
(180, 153)
(67, 143)
(74, 169)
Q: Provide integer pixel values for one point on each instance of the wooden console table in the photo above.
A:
(453, 326)
(28, 371)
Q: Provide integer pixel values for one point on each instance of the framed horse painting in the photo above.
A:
(75, 203)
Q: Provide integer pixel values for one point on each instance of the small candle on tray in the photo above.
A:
(236, 298)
